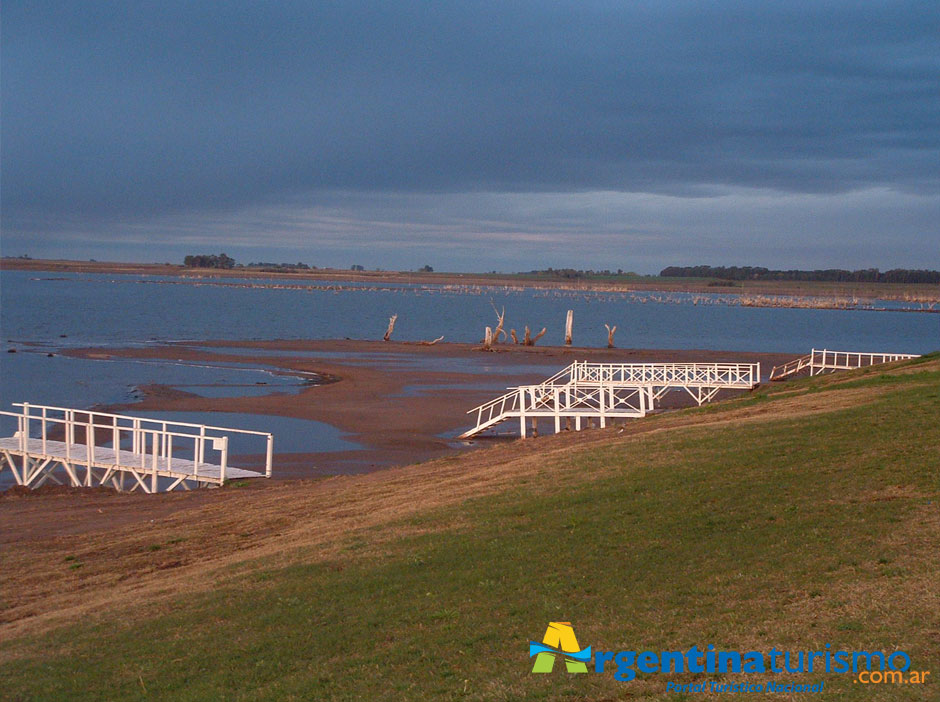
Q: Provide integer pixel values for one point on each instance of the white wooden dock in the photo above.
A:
(83, 448)
(601, 391)
(820, 361)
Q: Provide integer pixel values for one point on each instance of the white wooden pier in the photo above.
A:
(820, 361)
(601, 391)
(84, 448)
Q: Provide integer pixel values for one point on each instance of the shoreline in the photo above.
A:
(371, 396)
(831, 295)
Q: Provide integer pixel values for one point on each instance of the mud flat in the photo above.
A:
(400, 402)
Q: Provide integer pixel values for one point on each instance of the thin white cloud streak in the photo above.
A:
(593, 229)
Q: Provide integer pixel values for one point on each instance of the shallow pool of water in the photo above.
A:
(291, 435)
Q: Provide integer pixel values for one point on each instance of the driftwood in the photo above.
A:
(500, 318)
(512, 333)
(610, 335)
(569, 323)
(488, 339)
(529, 340)
(391, 327)
(431, 343)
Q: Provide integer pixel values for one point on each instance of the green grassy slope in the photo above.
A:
(785, 531)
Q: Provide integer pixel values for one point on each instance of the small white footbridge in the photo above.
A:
(84, 448)
(597, 392)
(602, 391)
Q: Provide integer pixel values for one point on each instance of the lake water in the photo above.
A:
(42, 313)
(123, 310)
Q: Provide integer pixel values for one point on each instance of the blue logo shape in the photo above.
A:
(582, 656)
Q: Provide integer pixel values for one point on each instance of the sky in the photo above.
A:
(473, 136)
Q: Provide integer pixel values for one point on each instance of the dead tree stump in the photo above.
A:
(529, 340)
(391, 327)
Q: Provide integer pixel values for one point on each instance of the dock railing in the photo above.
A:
(823, 361)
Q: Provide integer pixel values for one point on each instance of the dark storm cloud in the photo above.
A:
(144, 109)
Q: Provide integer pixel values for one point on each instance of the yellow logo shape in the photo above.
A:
(559, 636)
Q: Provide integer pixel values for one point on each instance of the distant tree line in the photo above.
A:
(281, 267)
(834, 275)
(209, 261)
(572, 273)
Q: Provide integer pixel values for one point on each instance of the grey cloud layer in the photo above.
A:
(504, 135)
(136, 111)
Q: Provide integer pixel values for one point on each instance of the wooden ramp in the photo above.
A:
(825, 361)
(95, 449)
(601, 391)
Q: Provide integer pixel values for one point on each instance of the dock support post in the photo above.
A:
(89, 448)
(153, 476)
(522, 413)
(269, 457)
(24, 428)
(557, 399)
(224, 460)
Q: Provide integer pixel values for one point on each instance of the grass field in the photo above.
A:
(803, 515)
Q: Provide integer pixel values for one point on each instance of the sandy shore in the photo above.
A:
(392, 398)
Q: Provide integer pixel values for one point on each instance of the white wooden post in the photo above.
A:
(24, 428)
(522, 412)
(89, 447)
(45, 417)
(555, 394)
(269, 457)
(153, 475)
(224, 460)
